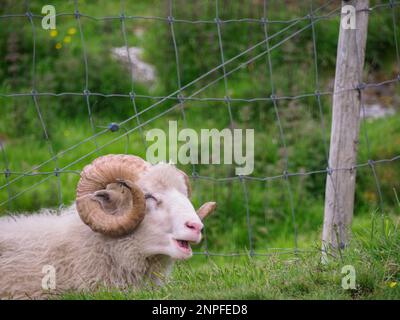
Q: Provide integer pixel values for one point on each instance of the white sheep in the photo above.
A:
(137, 220)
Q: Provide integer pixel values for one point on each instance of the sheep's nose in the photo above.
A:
(195, 226)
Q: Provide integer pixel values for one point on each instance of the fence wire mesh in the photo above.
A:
(177, 100)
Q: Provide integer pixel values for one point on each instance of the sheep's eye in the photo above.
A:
(150, 196)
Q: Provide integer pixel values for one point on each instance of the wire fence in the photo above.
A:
(292, 25)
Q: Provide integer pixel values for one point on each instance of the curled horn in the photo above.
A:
(96, 176)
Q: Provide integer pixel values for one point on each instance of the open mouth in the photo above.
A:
(183, 245)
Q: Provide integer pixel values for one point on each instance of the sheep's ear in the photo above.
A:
(109, 200)
(206, 209)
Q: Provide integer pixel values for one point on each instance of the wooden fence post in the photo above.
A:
(340, 184)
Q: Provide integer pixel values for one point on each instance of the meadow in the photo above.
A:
(71, 130)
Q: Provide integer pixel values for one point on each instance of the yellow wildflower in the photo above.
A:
(71, 31)
(67, 39)
(53, 33)
(392, 284)
(58, 46)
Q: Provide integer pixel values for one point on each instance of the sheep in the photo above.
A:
(131, 220)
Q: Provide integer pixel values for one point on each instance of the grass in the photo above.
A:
(66, 121)
(375, 260)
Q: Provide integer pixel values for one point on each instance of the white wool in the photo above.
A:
(83, 259)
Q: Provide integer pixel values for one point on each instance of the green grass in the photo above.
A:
(67, 123)
(303, 276)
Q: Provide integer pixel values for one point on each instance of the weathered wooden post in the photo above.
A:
(340, 184)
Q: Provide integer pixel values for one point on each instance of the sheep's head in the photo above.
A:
(120, 196)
